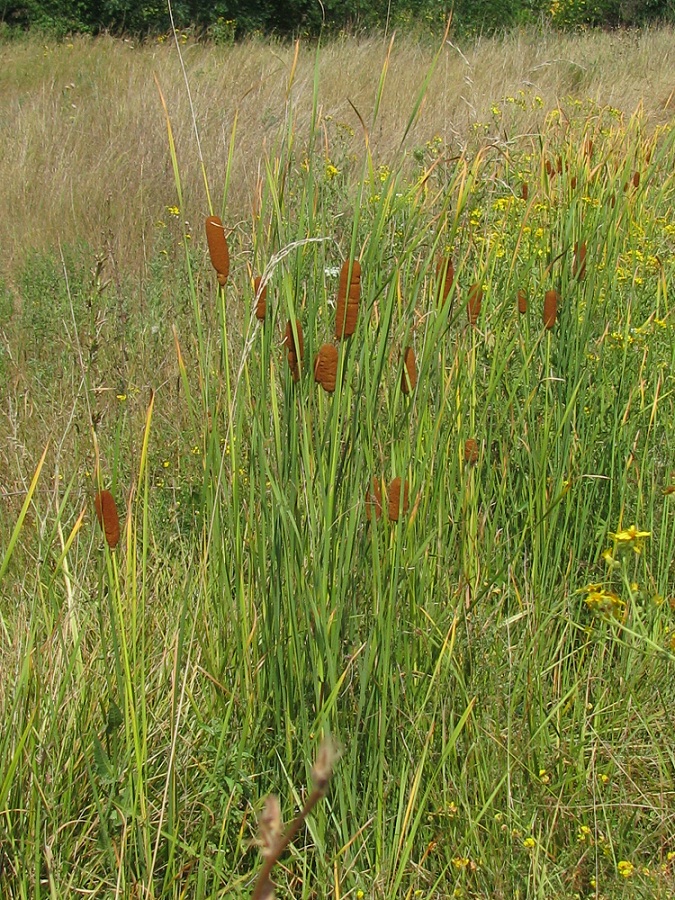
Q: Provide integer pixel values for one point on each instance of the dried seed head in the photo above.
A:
(295, 353)
(106, 513)
(524, 191)
(579, 262)
(445, 275)
(409, 373)
(636, 179)
(559, 165)
(261, 302)
(220, 255)
(551, 300)
(269, 826)
(573, 182)
(325, 367)
(588, 148)
(349, 293)
(322, 770)
(474, 302)
(374, 500)
(521, 297)
(471, 451)
(550, 171)
(394, 499)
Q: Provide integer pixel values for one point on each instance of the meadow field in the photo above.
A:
(394, 472)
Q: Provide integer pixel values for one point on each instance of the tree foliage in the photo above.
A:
(286, 18)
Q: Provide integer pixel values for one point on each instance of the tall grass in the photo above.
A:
(493, 653)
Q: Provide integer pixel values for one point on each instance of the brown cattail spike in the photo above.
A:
(295, 352)
(521, 297)
(261, 302)
(551, 301)
(349, 293)
(524, 191)
(471, 451)
(106, 513)
(579, 262)
(474, 303)
(445, 275)
(394, 499)
(636, 179)
(374, 500)
(220, 255)
(325, 367)
(409, 373)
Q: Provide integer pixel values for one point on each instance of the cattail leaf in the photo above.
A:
(220, 255)
(106, 513)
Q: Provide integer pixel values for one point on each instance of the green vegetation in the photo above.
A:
(223, 20)
(495, 657)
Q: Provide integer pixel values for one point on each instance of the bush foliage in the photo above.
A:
(225, 19)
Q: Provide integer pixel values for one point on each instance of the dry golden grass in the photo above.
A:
(85, 146)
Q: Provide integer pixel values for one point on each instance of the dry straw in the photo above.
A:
(349, 293)
(106, 513)
(471, 451)
(474, 303)
(374, 500)
(325, 367)
(445, 275)
(394, 499)
(295, 353)
(551, 301)
(409, 373)
(521, 298)
(220, 255)
(261, 295)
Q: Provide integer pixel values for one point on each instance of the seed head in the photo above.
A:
(474, 302)
(220, 255)
(325, 367)
(551, 300)
(349, 293)
(394, 499)
(261, 303)
(409, 373)
(106, 513)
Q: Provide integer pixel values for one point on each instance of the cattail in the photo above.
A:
(550, 171)
(579, 262)
(521, 297)
(349, 293)
(559, 165)
(573, 182)
(295, 353)
(409, 373)
(374, 500)
(474, 303)
(220, 255)
(524, 191)
(445, 275)
(471, 451)
(588, 148)
(612, 200)
(325, 367)
(106, 513)
(394, 499)
(636, 179)
(261, 303)
(551, 301)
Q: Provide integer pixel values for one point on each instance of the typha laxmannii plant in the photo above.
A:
(325, 367)
(220, 255)
(260, 297)
(551, 301)
(374, 500)
(394, 506)
(471, 451)
(445, 275)
(474, 303)
(579, 261)
(349, 294)
(106, 513)
(524, 191)
(295, 351)
(409, 373)
(521, 299)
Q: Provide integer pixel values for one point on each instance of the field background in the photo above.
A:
(497, 665)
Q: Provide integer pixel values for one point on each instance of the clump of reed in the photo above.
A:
(108, 519)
